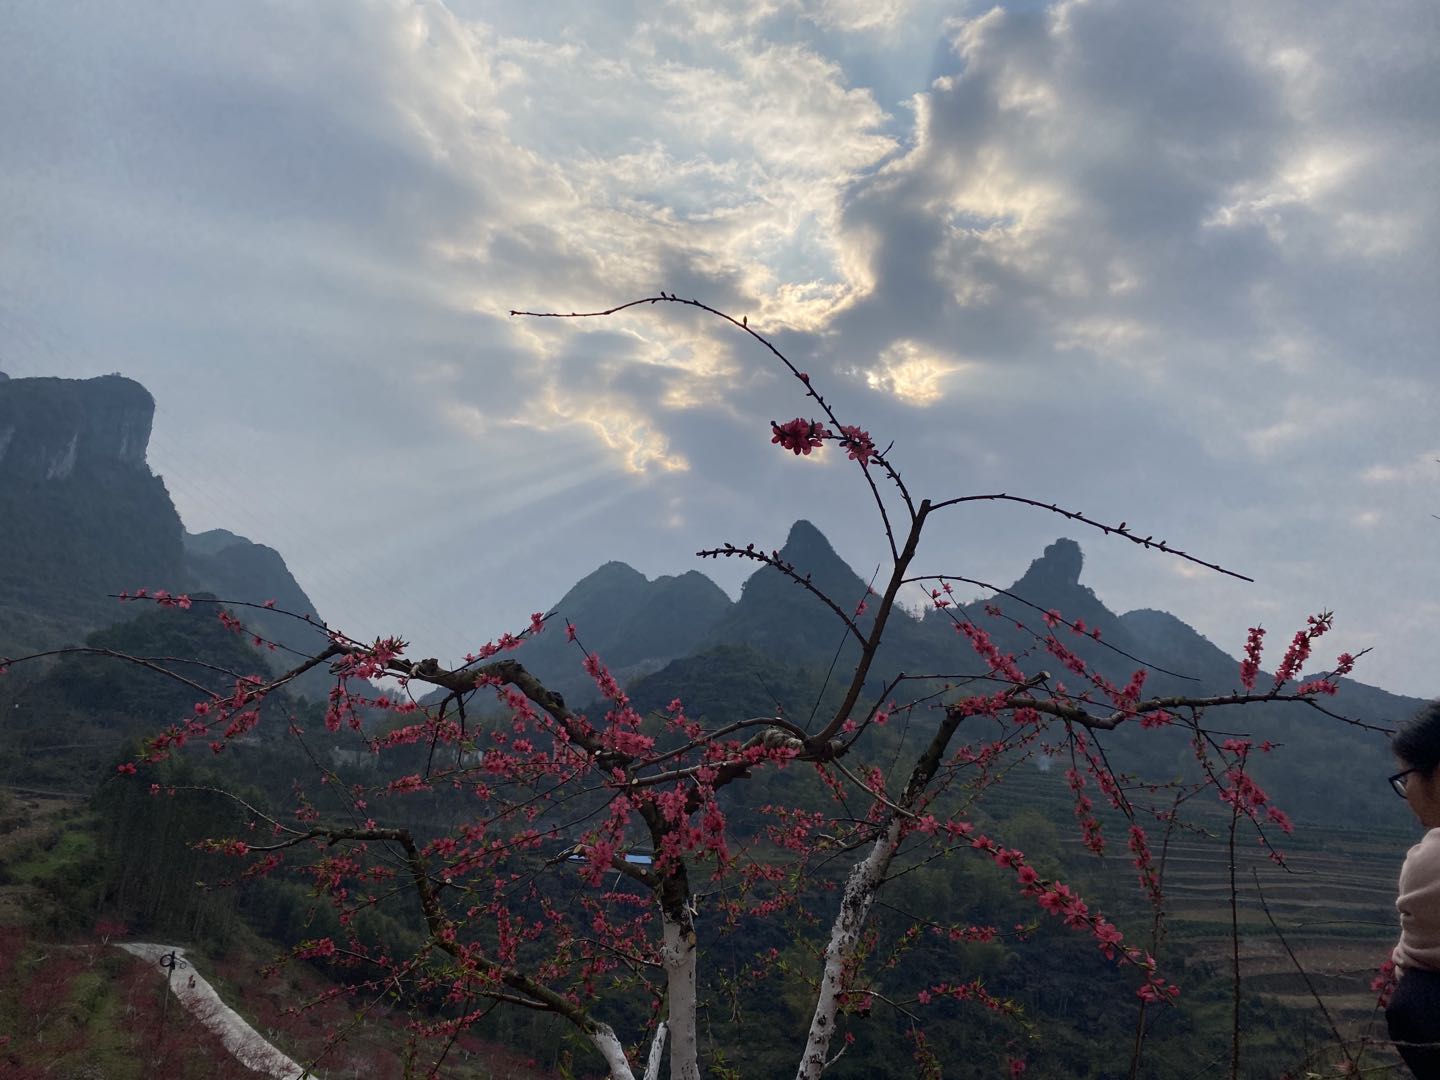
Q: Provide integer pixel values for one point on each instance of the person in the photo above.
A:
(1413, 1014)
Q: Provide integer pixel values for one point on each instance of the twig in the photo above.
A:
(773, 559)
(743, 325)
(1074, 515)
(1063, 621)
(1234, 948)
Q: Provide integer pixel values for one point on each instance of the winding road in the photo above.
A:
(248, 1046)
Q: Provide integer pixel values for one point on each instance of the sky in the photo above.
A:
(1167, 263)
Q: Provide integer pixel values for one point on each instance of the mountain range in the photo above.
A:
(83, 516)
(779, 647)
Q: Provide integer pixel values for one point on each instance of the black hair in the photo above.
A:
(1418, 742)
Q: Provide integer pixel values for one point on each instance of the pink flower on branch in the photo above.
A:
(858, 444)
(1250, 666)
(1299, 650)
(1062, 901)
(320, 948)
(799, 436)
(1384, 983)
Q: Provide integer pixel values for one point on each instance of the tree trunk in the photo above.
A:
(657, 1052)
(608, 1043)
(859, 894)
(678, 956)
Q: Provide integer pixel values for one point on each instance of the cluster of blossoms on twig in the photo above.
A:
(161, 597)
(1296, 655)
(801, 436)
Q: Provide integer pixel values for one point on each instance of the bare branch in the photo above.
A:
(788, 569)
(1108, 723)
(1059, 618)
(877, 631)
(743, 325)
(1309, 984)
(150, 663)
(1074, 515)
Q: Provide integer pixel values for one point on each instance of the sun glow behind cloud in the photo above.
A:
(914, 374)
(623, 429)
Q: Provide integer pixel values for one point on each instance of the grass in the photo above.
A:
(69, 848)
(97, 1019)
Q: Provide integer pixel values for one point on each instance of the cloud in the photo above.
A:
(911, 373)
(859, 16)
(1420, 470)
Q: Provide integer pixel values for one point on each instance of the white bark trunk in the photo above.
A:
(678, 956)
(844, 937)
(608, 1044)
(657, 1052)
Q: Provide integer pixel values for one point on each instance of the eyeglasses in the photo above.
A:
(1399, 779)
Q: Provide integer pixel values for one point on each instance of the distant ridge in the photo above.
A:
(1330, 772)
(634, 624)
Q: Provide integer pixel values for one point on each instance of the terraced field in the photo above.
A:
(1333, 902)
(1334, 906)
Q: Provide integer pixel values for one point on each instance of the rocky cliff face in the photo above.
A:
(82, 516)
(51, 427)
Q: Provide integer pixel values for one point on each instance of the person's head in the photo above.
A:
(1417, 749)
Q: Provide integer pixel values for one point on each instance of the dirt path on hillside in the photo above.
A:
(248, 1046)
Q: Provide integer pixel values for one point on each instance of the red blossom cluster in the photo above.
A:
(967, 991)
(1250, 666)
(1299, 651)
(801, 436)
(317, 949)
(1387, 977)
(162, 597)
(1155, 719)
(1243, 793)
(858, 444)
(1002, 663)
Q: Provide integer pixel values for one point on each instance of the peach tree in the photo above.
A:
(631, 813)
